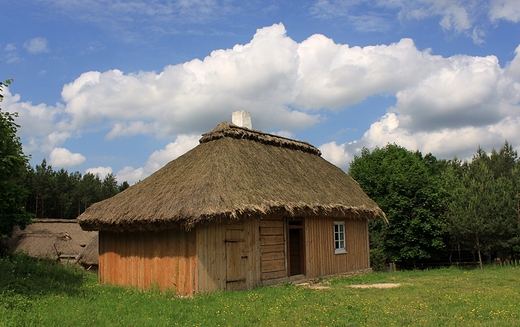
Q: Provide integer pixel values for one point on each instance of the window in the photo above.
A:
(339, 237)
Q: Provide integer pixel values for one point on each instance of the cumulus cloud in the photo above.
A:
(63, 158)
(101, 172)
(43, 127)
(158, 159)
(340, 155)
(446, 143)
(334, 75)
(37, 45)
(131, 175)
(446, 105)
(182, 144)
(194, 96)
(464, 91)
(462, 103)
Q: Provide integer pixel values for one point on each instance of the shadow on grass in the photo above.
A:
(21, 275)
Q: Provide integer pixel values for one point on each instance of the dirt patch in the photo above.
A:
(383, 285)
(313, 286)
(319, 287)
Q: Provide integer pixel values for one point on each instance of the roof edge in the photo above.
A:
(227, 129)
(338, 211)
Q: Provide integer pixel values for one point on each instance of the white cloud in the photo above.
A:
(454, 18)
(447, 143)
(462, 103)
(43, 127)
(158, 159)
(182, 144)
(286, 134)
(280, 82)
(101, 172)
(461, 17)
(10, 47)
(11, 55)
(37, 45)
(458, 16)
(194, 96)
(283, 83)
(130, 175)
(337, 154)
(334, 75)
(464, 91)
(12, 58)
(63, 158)
(125, 19)
(505, 9)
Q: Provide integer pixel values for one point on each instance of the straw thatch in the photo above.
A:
(89, 256)
(51, 238)
(234, 173)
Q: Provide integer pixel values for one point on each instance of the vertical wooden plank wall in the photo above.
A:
(319, 243)
(211, 258)
(164, 259)
(253, 250)
(358, 245)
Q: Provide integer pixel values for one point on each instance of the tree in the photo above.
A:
(123, 186)
(13, 163)
(503, 161)
(90, 190)
(407, 188)
(43, 187)
(109, 186)
(484, 215)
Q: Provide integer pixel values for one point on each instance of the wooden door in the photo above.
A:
(236, 259)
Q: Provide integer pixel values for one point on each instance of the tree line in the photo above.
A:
(440, 210)
(64, 195)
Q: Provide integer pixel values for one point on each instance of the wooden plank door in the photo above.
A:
(236, 259)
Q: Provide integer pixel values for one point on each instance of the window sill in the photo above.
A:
(340, 251)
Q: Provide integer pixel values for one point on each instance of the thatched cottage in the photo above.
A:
(242, 209)
(58, 239)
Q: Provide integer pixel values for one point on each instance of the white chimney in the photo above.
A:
(242, 118)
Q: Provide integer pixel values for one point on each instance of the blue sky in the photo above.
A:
(126, 86)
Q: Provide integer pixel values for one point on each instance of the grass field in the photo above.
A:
(44, 293)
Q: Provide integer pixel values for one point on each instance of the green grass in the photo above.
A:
(44, 293)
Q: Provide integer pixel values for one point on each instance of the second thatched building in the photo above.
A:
(242, 209)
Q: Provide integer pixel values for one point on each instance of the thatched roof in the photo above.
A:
(51, 238)
(234, 173)
(89, 255)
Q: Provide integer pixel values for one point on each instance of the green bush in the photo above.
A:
(378, 260)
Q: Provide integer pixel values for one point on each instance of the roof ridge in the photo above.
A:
(227, 129)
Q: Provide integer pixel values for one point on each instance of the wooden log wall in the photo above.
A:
(273, 262)
(144, 260)
(319, 242)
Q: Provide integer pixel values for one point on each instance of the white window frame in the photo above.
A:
(340, 243)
